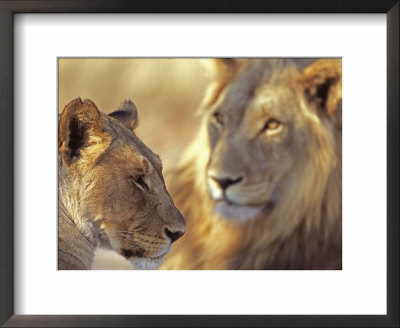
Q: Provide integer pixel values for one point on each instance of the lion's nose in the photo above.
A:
(174, 236)
(224, 183)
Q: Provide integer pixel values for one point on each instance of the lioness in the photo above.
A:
(111, 190)
(261, 186)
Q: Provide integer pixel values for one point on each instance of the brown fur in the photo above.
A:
(111, 190)
(290, 176)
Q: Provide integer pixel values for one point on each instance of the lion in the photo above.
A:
(261, 185)
(112, 193)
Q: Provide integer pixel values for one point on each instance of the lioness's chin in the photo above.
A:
(146, 263)
(237, 213)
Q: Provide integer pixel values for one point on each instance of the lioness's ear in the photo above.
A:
(80, 126)
(126, 114)
(323, 84)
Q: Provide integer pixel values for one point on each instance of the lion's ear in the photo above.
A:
(80, 126)
(323, 84)
(221, 71)
(220, 68)
(224, 63)
(126, 114)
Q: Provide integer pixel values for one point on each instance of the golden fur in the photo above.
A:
(272, 131)
(111, 190)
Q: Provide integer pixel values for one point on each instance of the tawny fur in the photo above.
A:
(304, 228)
(111, 190)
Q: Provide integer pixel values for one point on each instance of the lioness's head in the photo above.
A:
(112, 185)
(269, 124)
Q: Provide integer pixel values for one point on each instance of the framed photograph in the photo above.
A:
(206, 139)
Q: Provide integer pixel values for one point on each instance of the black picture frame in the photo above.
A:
(7, 11)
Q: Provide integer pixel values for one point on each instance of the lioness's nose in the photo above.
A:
(174, 236)
(224, 183)
(176, 227)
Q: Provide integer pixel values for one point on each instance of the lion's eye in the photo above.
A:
(271, 125)
(218, 118)
(139, 180)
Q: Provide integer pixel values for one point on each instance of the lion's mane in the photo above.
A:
(304, 231)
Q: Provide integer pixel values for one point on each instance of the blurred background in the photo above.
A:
(166, 93)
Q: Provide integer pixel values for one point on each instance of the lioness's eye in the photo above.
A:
(271, 125)
(139, 180)
(218, 118)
